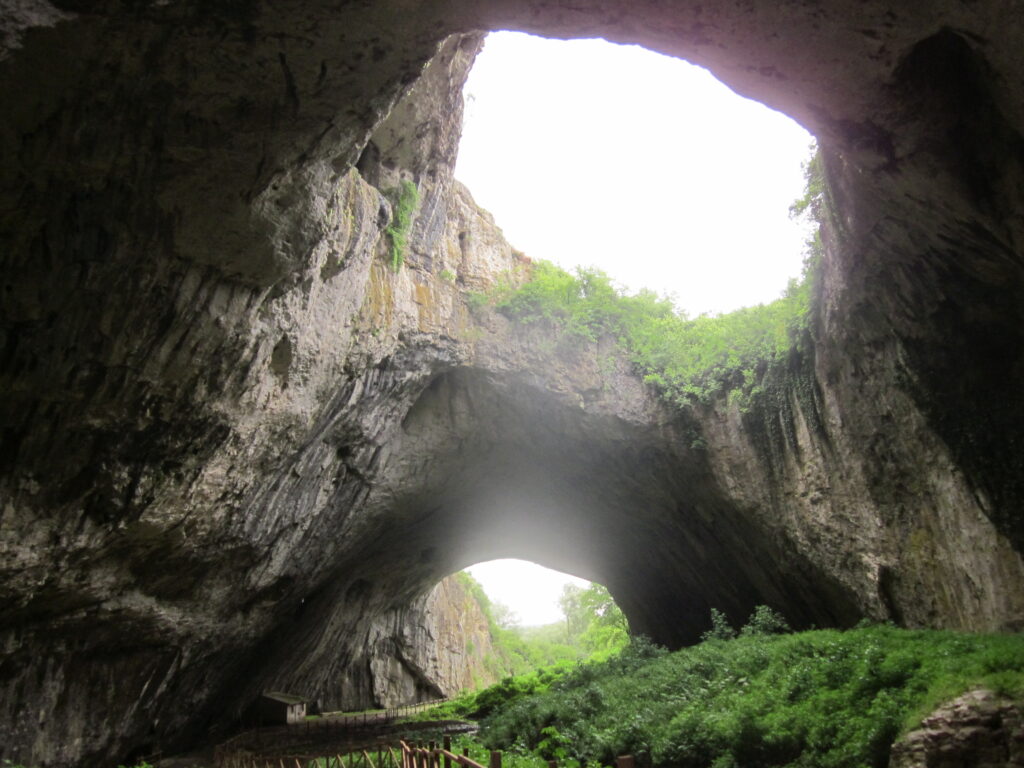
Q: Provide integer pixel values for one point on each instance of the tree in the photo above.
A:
(593, 620)
(504, 616)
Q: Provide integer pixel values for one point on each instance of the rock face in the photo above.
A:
(435, 648)
(978, 729)
(238, 448)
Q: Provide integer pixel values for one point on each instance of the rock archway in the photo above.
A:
(218, 401)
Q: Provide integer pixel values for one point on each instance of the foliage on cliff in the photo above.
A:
(689, 359)
(404, 201)
(820, 698)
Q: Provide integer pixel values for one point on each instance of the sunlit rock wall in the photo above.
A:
(435, 648)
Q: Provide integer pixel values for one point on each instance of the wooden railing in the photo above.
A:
(262, 743)
(432, 756)
(386, 757)
(409, 755)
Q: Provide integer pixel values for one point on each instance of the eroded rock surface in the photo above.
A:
(433, 649)
(976, 730)
(238, 448)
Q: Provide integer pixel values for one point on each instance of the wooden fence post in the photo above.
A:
(495, 759)
(552, 764)
(446, 742)
(625, 761)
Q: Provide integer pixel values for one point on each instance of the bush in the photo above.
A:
(688, 360)
(765, 621)
(404, 202)
(721, 629)
(820, 699)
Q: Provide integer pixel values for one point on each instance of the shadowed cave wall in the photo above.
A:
(237, 448)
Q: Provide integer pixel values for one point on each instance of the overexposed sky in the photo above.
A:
(530, 590)
(594, 154)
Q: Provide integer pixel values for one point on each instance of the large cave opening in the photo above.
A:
(527, 592)
(516, 472)
(190, 515)
(653, 170)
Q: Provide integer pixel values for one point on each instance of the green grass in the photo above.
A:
(821, 698)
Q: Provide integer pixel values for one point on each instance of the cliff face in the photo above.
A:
(238, 448)
(434, 648)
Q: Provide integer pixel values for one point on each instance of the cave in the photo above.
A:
(238, 447)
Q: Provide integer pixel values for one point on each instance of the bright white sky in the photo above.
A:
(530, 590)
(594, 154)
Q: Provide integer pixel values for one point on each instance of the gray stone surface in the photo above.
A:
(237, 449)
(976, 730)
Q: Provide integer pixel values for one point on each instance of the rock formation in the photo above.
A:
(433, 649)
(978, 729)
(236, 445)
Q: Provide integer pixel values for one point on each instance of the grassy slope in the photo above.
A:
(820, 698)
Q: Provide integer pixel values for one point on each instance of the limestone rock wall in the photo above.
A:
(977, 729)
(432, 649)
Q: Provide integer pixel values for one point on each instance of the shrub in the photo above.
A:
(765, 621)
(721, 629)
(820, 699)
(404, 201)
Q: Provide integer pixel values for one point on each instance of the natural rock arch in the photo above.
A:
(205, 370)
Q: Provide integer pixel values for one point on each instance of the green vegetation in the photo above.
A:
(594, 629)
(821, 698)
(593, 622)
(690, 360)
(404, 201)
(517, 651)
(447, 275)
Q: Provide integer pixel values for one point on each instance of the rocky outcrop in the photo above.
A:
(435, 648)
(238, 448)
(978, 729)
